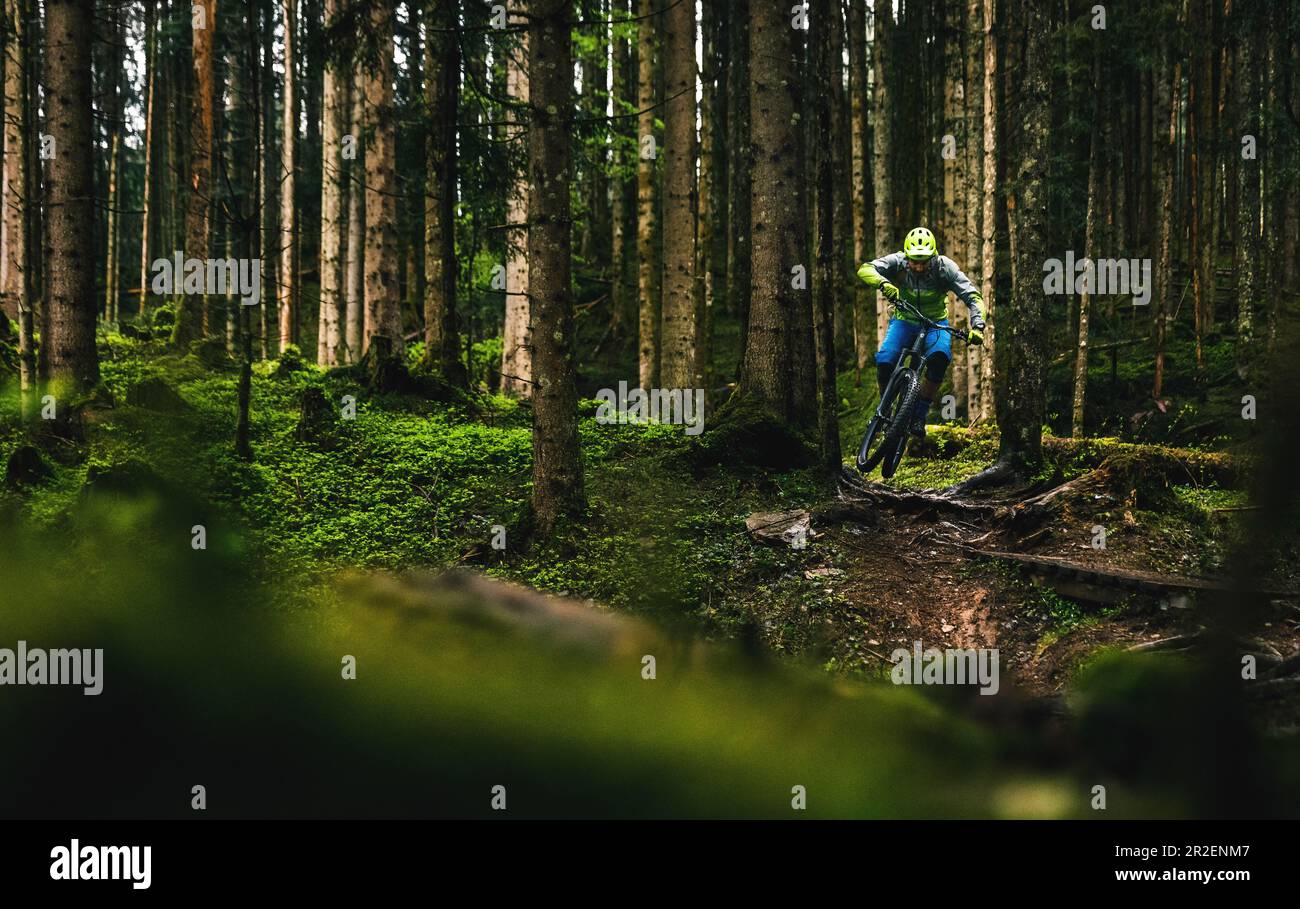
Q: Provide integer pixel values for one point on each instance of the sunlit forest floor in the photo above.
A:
(417, 483)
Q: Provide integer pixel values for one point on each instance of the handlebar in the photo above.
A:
(956, 332)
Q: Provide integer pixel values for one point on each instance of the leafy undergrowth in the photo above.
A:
(410, 482)
(414, 483)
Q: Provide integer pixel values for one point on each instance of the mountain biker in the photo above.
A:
(923, 278)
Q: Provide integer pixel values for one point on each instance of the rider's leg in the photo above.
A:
(939, 344)
(900, 335)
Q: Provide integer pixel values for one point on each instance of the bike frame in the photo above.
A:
(914, 352)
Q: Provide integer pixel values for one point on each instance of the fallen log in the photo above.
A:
(1104, 583)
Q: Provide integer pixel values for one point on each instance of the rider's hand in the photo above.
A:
(975, 336)
(890, 291)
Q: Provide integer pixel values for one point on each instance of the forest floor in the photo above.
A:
(415, 483)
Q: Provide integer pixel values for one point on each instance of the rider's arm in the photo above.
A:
(964, 288)
(878, 271)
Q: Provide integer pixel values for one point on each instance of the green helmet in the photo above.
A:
(920, 244)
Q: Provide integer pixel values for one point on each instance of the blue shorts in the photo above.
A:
(900, 336)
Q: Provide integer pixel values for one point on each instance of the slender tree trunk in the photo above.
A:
(113, 111)
(953, 236)
(974, 151)
(442, 85)
(517, 345)
(1167, 106)
(148, 215)
(1291, 218)
(1249, 285)
(270, 222)
(328, 337)
(354, 276)
(256, 164)
(1273, 192)
(13, 207)
(859, 106)
(677, 332)
(1196, 105)
(824, 46)
(595, 173)
(70, 253)
(287, 298)
(19, 196)
(739, 178)
(311, 99)
(383, 302)
(557, 454)
(192, 317)
(988, 244)
(623, 285)
(882, 163)
(1022, 343)
(845, 266)
(710, 225)
(649, 288)
(1095, 160)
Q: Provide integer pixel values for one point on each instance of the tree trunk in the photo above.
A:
(677, 332)
(1095, 160)
(287, 298)
(192, 316)
(1022, 342)
(328, 335)
(1167, 107)
(859, 106)
(1291, 204)
(739, 178)
(13, 206)
(595, 173)
(270, 221)
(768, 371)
(149, 216)
(255, 163)
(973, 147)
(442, 84)
(823, 42)
(711, 225)
(1248, 192)
(354, 269)
(623, 284)
(70, 252)
(114, 125)
(517, 345)
(1273, 192)
(987, 384)
(649, 288)
(20, 193)
(882, 162)
(383, 315)
(953, 226)
(845, 268)
(557, 455)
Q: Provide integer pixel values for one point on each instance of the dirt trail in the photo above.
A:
(913, 579)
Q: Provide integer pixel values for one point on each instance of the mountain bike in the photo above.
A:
(887, 433)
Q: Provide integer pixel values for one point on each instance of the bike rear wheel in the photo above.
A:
(876, 445)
